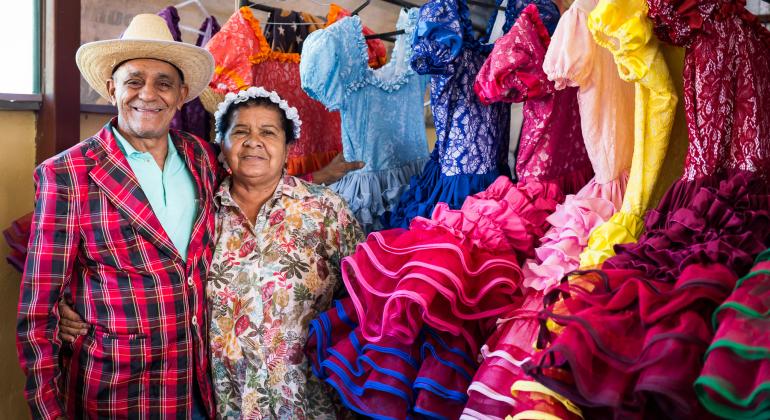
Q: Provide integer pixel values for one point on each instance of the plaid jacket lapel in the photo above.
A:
(197, 163)
(113, 175)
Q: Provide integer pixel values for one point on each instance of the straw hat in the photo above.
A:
(147, 36)
(210, 99)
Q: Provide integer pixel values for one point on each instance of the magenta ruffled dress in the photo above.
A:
(660, 294)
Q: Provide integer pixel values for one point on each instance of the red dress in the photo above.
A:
(632, 337)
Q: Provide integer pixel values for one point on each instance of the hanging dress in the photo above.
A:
(660, 293)
(449, 277)
(243, 59)
(471, 138)
(575, 60)
(623, 28)
(193, 117)
(377, 109)
(551, 149)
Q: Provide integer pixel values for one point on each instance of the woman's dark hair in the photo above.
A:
(226, 121)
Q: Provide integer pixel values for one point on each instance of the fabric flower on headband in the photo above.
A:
(257, 92)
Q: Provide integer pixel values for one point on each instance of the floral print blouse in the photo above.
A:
(266, 283)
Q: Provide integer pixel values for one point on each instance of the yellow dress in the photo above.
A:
(623, 28)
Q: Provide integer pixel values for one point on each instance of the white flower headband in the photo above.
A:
(257, 92)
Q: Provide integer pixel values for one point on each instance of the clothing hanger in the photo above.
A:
(490, 6)
(385, 35)
(360, 8)
(201, 7)
(268, 9)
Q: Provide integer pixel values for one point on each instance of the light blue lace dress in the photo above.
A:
(381, 112)
(471, 138)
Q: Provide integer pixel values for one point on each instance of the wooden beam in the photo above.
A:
(58, 123)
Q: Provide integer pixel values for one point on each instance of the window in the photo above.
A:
(20, 33)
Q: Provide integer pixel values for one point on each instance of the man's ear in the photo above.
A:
(111, 90)
(185, 90)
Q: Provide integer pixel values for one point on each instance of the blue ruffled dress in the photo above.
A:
(378, 109)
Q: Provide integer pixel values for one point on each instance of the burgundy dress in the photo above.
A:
(633, 336)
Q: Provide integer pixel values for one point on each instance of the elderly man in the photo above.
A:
(124, 224)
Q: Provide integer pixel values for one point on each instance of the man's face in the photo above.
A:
(147, 94)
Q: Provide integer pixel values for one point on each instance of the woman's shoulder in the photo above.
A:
(308, 191)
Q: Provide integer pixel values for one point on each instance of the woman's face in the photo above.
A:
(255, 145)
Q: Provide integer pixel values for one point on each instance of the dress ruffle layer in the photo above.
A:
(370, 194)
(505, 352)
(659, 296)
(457, 272)
(431, 187)
(631, 347)
(710, 220)
(572, 223)
(390, 380)
(735, 381)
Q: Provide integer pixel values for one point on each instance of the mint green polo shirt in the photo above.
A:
(171, 192)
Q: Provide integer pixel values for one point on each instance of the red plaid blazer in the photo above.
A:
(94, 235)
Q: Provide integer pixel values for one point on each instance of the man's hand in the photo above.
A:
(335, 170)
(71, 325)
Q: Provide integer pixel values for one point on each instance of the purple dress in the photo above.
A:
(193, 118)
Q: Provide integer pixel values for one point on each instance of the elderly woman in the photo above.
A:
(276, 265)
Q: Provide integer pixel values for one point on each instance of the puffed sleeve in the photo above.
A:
(570, 57)
(438, 38)
(679, 21)
(235, 49)
(513, 72)
(626, 32)
(321, 65)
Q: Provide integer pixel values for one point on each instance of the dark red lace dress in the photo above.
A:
(630, 339)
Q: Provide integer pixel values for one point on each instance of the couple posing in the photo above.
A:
(191, 285)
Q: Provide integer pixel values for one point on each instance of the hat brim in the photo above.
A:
(96, 61)
(210, 99)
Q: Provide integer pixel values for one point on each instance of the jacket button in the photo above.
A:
(195, 320)
(190, 281)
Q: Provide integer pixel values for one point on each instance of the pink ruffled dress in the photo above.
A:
(423, 301)
(551, 142)
(575, 60)
(560, 157)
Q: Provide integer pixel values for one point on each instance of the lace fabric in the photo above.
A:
(377, 109)
(622, 27)
(471, 138)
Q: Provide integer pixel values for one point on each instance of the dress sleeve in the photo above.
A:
(622, 27)
(320, 66)
(236, 47)
(438, 38)
(679, 21)
(570, 57)
(513, 72)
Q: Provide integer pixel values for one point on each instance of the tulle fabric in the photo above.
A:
(735, 381)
